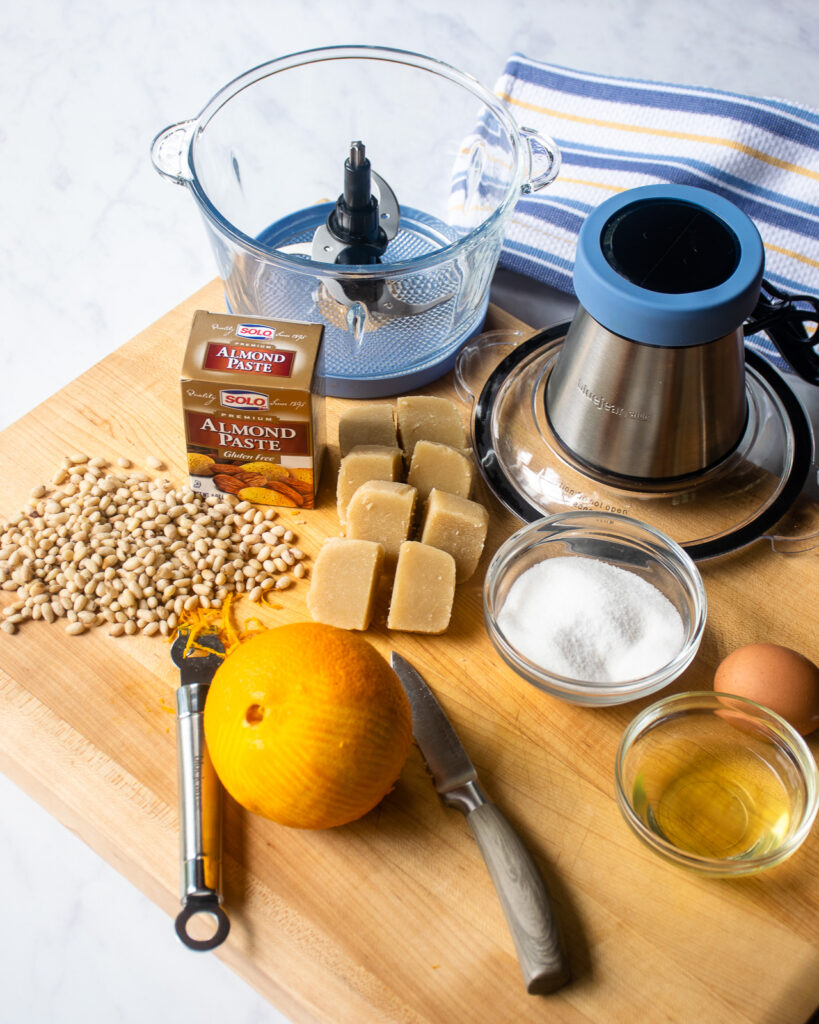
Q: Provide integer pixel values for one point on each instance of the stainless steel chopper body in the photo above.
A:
(650, 384)
(647, 411)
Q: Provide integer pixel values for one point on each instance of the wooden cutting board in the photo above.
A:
(393, 918)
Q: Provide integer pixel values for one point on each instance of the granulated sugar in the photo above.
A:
(590, 620)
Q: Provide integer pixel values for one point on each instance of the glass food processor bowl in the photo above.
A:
(270, 159)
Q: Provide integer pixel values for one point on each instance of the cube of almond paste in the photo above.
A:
(427, 418)
(371, 423)
(365, 462)
(344, 582)
(381, 510)
(423, 590)
(456, 525)
(439, 466)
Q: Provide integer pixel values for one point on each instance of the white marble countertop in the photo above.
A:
(94, 246)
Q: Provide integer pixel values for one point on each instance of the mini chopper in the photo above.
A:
(648, 403)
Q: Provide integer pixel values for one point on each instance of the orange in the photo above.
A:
(307, 725)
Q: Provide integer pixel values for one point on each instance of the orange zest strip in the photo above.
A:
(220, 621)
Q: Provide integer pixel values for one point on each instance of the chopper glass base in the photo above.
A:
(723, 509)
(367, 353)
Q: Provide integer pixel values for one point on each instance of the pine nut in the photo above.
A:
(100, 546)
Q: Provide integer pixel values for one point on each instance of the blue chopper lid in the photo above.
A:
(668, 265)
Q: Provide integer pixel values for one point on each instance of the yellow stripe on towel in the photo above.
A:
(665, 133)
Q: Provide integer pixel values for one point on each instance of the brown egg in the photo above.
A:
(779, 678)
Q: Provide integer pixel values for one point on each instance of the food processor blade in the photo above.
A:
(361, 224)
(365, 219)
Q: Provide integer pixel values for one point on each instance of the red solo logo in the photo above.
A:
(255, 331)
(238, 398)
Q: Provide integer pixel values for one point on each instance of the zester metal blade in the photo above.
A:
(446, 759)
(195, 666)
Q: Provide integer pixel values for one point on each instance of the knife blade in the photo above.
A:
(514, 873)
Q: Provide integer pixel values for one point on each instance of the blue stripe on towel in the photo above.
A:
(713, 103)
(633, 159)
(553, 214)
(536, 255)
(664, 172)
(794, 110)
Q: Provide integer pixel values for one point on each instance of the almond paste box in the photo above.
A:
(254, 420)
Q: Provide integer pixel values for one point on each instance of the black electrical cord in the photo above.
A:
(777, 314)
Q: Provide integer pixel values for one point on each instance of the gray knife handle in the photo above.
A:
(200, 821)
(524, 899)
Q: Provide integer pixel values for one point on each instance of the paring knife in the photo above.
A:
(200, 794)
(515, 875)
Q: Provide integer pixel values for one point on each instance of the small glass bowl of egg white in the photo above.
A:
(594, 608)
(716, 783)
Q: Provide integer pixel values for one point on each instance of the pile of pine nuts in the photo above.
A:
(110, 545)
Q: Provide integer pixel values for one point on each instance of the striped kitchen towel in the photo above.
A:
(618, 133)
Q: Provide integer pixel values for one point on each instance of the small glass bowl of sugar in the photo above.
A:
(595, 608)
